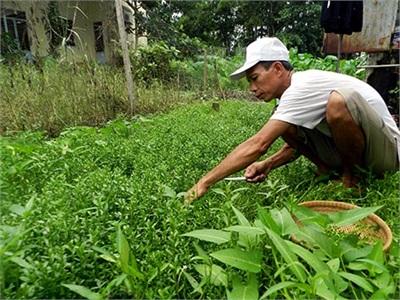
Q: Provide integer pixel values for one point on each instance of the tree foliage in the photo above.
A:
(233, 24)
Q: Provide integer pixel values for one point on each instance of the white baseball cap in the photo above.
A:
(264, 49)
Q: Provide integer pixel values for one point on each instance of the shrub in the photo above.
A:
(153, 62)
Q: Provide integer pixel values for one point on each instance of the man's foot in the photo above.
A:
(349, 180)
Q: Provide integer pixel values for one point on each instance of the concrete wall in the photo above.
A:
(85, 14)
(81, 13)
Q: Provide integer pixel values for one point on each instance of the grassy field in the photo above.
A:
(57, 95)
(102, 208)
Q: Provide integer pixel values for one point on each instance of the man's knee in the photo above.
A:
(291, 136)
(336, 109)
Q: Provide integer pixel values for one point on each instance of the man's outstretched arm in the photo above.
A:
(241, 157)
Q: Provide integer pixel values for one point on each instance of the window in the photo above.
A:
(14, 23)
(98, 36)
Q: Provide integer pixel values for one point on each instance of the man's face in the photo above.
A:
(265, 84)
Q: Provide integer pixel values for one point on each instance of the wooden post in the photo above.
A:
(125, 54)
(205, 71)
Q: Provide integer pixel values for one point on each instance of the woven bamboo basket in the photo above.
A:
(372, 229)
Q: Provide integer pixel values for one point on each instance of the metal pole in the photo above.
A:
(339, 53)
(125, 54)
(379, 66)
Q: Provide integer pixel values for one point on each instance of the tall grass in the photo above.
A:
(59, 95)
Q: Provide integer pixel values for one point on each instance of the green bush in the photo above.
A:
(208, 71)
(211, 70)
(153, 62)
(306, 61)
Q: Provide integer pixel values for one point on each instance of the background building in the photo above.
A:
(82, 28)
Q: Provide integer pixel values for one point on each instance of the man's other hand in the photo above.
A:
(256, 172)
(195, 192)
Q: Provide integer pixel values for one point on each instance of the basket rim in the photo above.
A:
(346, 206)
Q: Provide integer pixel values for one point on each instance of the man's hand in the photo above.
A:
(195, 192)
(257, 171)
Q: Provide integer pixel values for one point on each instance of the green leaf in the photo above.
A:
(312, 260)
(385, 282)
(83, 291)
(238, 190)
(282, 285)
(316, 238)
(247, 235)
(250, 230)
(29, 204)
(105, 254)
(201, 253)
(258, 224)
(11, 230)
(126, 258)
(266, 218)
(284, 221)
(219, 191)
(322, 290)
(330, 279)
(210, 235)
(395, 250)
(115, 282)
(372, 265)
(377, 255)
(351, 253)
(357, 266)
(21, 262)
(123, 250)
(308, 216)
(331, 57)
(378, 295)
(244, 260)
(133, 269)
(168, 192)
(244, 292)
(339, 284)
(358, 280)
(241, 218)
(334, 264)
(286, 266)
(287, 255)
(17, 209)
(214, 272)
(351, 216)
(193, 282)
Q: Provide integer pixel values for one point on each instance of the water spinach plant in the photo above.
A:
(98, 212)
(326, 264)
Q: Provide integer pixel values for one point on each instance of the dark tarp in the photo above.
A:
(342, 17)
